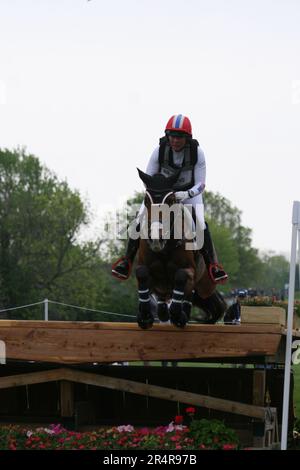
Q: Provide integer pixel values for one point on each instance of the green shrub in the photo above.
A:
(213, 434)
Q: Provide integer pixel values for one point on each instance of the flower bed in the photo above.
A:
(201, 434)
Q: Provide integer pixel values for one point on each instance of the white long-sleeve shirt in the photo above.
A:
(199, 169)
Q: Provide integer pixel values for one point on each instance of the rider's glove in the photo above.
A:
(181, 195)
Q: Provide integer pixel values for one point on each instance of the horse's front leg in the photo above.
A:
(162, 309)
(145, 317)
(188, 292)
(181, 296)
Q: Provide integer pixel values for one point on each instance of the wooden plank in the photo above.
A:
(66, 399)
(99, 342)
(165, 393)
(31, 378)
(263, 315)
(122, 326)
(134, 387)
(259, 387)
(259, 390)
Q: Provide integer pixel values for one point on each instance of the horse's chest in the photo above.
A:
(163, 272)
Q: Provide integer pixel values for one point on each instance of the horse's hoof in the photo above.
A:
(180, 322)
(177, 316)
(163, 312)
(145, 324)
(145, 321)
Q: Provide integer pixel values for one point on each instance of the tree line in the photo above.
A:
(42, 254)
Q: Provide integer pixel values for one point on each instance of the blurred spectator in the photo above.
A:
(233, 314)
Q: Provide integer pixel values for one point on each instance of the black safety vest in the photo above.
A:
(168, 168)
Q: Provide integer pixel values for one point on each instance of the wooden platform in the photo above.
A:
(86, 342)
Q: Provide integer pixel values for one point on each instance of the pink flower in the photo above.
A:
(127, 428)
(144, 431)
(175, 427)
(57, 428)
(229, 446)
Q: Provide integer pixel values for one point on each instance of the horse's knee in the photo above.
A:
(181, 278)
(181, 275)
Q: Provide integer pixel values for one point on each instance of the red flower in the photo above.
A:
(178, 419)
(190, 410)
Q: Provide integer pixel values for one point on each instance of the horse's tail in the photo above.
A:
(214, 306)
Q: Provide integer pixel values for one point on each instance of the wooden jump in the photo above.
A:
(104, 342)
(82, 342)
(68, 375)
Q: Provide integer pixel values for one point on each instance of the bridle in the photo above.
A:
(160, 244)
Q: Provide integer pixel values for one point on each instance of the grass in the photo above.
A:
(297, 389)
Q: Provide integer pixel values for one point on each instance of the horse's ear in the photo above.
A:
(145, 178)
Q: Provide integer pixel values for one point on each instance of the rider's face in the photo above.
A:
(177, 142)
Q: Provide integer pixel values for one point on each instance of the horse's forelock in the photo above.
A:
(160, 183)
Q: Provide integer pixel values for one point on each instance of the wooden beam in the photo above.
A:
(259, 390)
(165, 393)
(31, 378)
(66, 398)
(259, 387)
(83, 342)
(133, 387)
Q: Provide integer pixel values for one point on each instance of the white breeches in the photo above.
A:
(197, 203)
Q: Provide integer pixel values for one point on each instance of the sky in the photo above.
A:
(88, 87)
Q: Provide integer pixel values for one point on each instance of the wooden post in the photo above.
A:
(259, 391)
(259, 387)
(66, 399)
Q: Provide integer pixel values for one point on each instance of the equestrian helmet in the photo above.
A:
(179, 124)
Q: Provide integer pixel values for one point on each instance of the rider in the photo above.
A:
(178, 150)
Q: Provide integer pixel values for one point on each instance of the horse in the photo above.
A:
(176, 277)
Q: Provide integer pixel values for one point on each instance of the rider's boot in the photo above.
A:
(215, 270)
(121, 269)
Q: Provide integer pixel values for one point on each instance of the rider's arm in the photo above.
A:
(199, 175)
(153, 165)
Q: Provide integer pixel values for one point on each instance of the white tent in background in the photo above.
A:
(289, 335)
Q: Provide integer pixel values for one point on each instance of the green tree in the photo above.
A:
(275, 271)
(40, 223)
(220, 213)
(226, 248)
